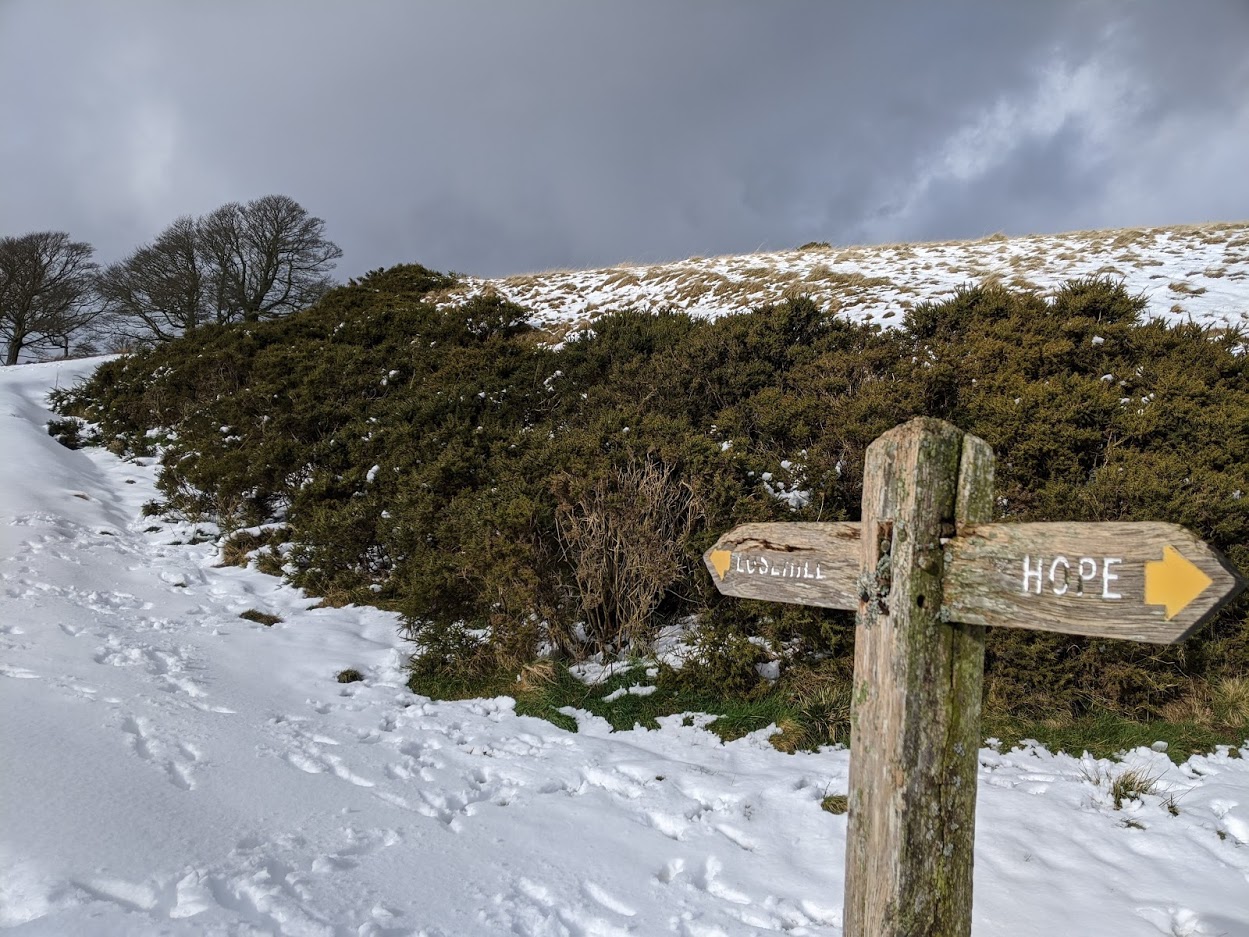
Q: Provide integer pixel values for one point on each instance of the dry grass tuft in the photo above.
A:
(1223, 703)
(620, 279)
(791, 736)
(1229, 699)
(236, 551)
(1190, 708)
(1130, 236)
(240, 546)
(261, 618)
(536, 676)
(821, 704)
(835, 803)
(1132, 784)
(1125, 785)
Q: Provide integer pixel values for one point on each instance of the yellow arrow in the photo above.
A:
(720, 560)
(1173, 581)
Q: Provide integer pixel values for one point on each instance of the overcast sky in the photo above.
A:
(505, 136)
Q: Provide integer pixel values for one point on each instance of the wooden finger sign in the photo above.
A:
(926, 571)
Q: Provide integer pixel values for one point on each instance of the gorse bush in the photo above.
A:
(508, 496)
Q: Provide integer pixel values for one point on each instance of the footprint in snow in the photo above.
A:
(304, 751)
(607, 900)
(176, 761)
(18, 673)
(709, 881)
(736, 837)
(671, 871)
(532, 907)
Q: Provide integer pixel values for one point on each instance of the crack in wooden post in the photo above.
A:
(915, 710)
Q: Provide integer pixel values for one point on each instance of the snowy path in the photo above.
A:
(169, 768)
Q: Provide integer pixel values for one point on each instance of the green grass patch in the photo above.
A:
(811, 711)
(545, 689)
(1106, 735)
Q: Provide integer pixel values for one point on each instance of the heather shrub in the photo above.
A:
(626, 537)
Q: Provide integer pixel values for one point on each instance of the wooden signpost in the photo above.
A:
(926, 572)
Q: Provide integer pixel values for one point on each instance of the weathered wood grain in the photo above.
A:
(1087, 579)
(815, 563)
(956, 796)
(915, 706)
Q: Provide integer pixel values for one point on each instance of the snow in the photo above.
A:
(170, 768)
(635, 690)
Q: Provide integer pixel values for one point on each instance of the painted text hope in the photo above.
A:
(1081, 576)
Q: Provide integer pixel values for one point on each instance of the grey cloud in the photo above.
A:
(497, 137)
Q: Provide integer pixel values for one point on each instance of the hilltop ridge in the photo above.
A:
(1186, 272)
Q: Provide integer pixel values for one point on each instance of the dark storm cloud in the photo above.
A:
(495, 137)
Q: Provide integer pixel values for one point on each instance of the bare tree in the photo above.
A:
(266, 258)
(241, 262)
(46, 292)
(160, 291)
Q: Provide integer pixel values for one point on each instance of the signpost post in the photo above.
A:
(926, 572)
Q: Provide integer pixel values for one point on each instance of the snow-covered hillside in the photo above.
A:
(1198, 272)
(172, 768)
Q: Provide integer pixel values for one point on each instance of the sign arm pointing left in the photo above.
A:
(814, 563)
